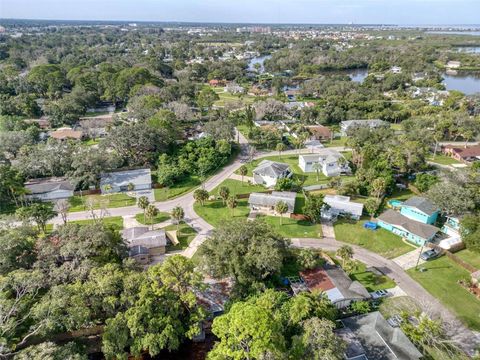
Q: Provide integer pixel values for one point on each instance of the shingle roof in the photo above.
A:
(142, 236)
(343, 203)
(265, 199)
(66, 133)
(123, 178)
(42, 186)
(137, 250)
(421, 204)
(271, 168)
(425, 231)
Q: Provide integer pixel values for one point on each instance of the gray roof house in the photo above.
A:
(422, 204)
(341, 205)
(350, 125)
(49, 189)
(268, 172)
(120, 180)
(371, 337)
(265, 203)
(144, 243)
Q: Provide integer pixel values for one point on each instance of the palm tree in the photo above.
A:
(131, 186)
(177, 214)
(243, 171)
(280, 148)
(107, 188)
(317, 167)
(143, 203)
(200, 195)
(281, 208)
(151, 211)
(345, 253)
(249, 117)
(224, 192)
(232, 204)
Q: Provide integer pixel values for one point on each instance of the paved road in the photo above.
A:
(468, 339)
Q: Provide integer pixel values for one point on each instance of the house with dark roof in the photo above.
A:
(49, 189)
(414, 231)
(268, 172)
(420, 209)
(265, 203)
(337, 285)
(371, 337)
(144, 243)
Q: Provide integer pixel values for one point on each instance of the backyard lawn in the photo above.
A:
(161, 217)
(215, 213)
(185, 235)
(77, 203)
(379, 241)
(178, 189)
(441, 280)
(443, 159)
(291, 228)
(336, 142)
(115, 221)
(370, 280)
(469, 257)
(238, 187)
(226, 97)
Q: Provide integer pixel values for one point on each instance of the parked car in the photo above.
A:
(429, 254)
(379, 294)
(395, 321)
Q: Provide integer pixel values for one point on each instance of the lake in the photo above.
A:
(357, 75)
(466, 82)
(471, 33)
(258, 60)
(469, 49)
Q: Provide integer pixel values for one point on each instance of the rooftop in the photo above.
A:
(66, 133)
(123, 178)
(271, 168)
(425, 231)
(266, 199)
(142, 236)
(45, 185)
(421, 204)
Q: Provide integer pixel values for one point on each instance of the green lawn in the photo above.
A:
(469, 257)
(226, 97)
(178, 189)
(379, 241)
(401, 194)
(215, 213)
(91, 142)
(371, 281)
(77, 203)
(443, 159)
(440, 280)
(237, 187)
(115, 221)
(161, 217)
(336, 142)
(291, 228)
(185, 235)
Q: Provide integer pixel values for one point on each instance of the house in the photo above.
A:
(341, 205)
(319, 132)
(234, 88)
(43, 123)
(420, 209)
(466, 154)
(268, 172)
(414, 231)
(350, 125)
(451, 239)
(96, 126)
(337, 285)
(143, 243)
(329, 162)
(265, 203)
(370, 336)
(453, 64)
(49, 189)
(140, 179)
(396, 70)
(215, 83)
(66, 133)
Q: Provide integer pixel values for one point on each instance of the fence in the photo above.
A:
(455, 258)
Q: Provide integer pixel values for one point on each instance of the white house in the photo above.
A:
(268, 172)
(350, 125)
(49, 189)
(140, 179)
(329, 162)
(265, 203)
(341, 205)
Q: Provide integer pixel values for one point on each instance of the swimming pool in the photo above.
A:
(395, 203)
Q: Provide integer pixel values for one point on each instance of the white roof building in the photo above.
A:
(341, 205)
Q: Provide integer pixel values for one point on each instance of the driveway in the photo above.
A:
(409, 260)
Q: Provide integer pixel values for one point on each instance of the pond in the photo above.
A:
(357, 75)
(470, 33)
(258, 60)
(466, 82)
(468, 49)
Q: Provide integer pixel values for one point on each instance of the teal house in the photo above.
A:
(413, 222)
(420, 209)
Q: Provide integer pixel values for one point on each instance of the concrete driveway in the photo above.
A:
(409, 260)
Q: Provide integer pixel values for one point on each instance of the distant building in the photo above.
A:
(119, 181)
(466, 155)
(351, 125)
(396, 70)
(453, 64)
(265, 203)
(234, 88)
(339, 205)
(49, 189)
(370, 336)
(66, 133)
(329, 162)
(268, 172)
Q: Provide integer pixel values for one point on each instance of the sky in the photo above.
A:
(401, 12)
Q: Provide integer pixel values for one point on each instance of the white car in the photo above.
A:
(379, 294)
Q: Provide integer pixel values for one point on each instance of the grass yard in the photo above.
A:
(440, 280)
(336, 142)
(443, 159)
(91, 142)
(215, 213)
(469, 257)
(115, 221)
(401, 194)
(180, 188)
(379, 241)
(226, 97)
(185, 235)
(77, 203)
(161, 217)
(371, 281)
(291, 228)
(237, 187)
